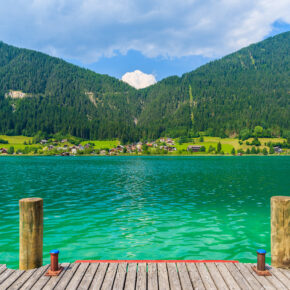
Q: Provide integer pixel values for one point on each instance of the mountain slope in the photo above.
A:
(61, 97)
(247, 88)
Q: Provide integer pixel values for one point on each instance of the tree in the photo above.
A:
(253, 150)
(271, 151)
(233, 152)
(201, 139)
(265, 152)
(258, 131)
(11, 150)
(248, 151)
(219, 147)
(202, 149)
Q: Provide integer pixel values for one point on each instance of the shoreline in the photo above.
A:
(147, 155)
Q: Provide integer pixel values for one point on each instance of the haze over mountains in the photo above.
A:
(242, 90)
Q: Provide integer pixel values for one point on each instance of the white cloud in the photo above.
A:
(88, 29)
(138, 79)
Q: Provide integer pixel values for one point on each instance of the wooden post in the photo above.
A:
(280, 231)
(30, 233)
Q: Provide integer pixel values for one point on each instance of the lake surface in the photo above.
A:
(144, 207)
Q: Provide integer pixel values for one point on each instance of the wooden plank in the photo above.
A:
(205, 276)
(281, 277)
(99, 276)
(285, 272)
(131, 276)
(184, 276)
(248, 275)
(41, 282)
(5, 275)
(263, 281)
(54, 280)
(241, 281)
(2, 268)
(78, 276)
(163, 276)
(20, 281)
(11, 279)
(34, 278)
(194, 276)
(141, 277)
(88, 278)
(62, 284)
(228, 278)
(216, 276)
(120, 276)
(276, 282)
(110, 276)
(173, 276)
(152, 276)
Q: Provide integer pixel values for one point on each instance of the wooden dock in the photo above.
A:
(146, 275)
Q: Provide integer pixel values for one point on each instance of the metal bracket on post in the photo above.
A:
(261, 270)
(55, 269)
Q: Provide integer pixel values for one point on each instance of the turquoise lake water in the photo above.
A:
(144, 207)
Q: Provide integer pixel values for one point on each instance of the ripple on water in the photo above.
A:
(144, 207)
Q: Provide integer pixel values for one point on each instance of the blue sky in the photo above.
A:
(159, 37)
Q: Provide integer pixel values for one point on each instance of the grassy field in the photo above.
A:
(103, 144)
(16, 141)
(227, 143)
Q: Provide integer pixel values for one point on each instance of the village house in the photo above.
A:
(171, 149)
(193, 148)
(139, 147)
(73, 150)
(103, 152)
(81, 147)
(50, 147)
(87, 146)
(278, 150)
(3, 151)
(120, 148)
(63, 140)
(42, 142)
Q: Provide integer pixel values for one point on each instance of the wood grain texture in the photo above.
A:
(110, 276)
(205, 276)
(228, 278)
(152, 276)
(88, 277)
(195, 276)
(30, 233)
(120, 277)
(216, 276)
(163, 276)
(78, 276)
(131, 276)
(184, 276)
(280, 231)
(99, 276)
(11, 279)
(173, 276)
(67, 276)
(141, 282)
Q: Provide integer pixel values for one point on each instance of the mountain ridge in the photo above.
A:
(247, 88)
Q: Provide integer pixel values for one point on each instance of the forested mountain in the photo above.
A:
(247, 88)
(61, 97)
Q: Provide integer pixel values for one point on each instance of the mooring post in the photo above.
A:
(30, 233)
(280, 231)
